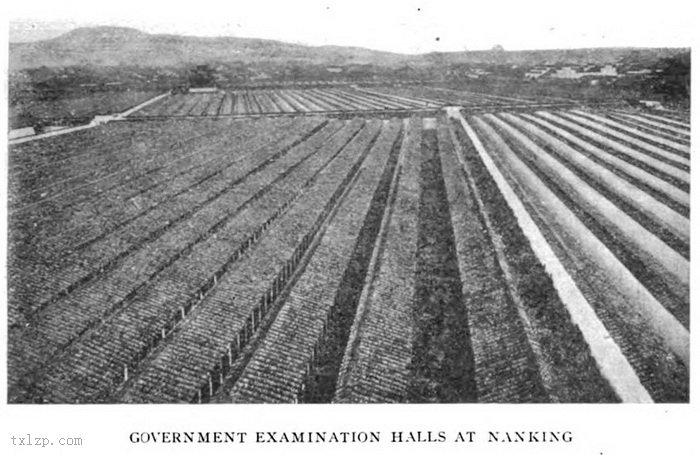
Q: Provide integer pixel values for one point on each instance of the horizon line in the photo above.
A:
(300, 43)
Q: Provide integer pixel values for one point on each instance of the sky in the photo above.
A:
(406, 26)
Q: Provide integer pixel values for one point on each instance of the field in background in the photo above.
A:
(74, 110)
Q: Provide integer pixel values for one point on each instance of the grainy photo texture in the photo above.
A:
(217, 219)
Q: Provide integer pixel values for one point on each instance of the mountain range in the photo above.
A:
(117, 46)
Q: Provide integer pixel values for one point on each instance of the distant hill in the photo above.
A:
(115, 46)
(118, 46)
(599, 56)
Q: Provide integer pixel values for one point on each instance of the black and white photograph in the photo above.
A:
(424, 211)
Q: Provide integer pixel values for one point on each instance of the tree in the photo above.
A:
(202, 76)
(673, 81)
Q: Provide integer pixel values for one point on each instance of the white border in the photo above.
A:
(607, 429)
